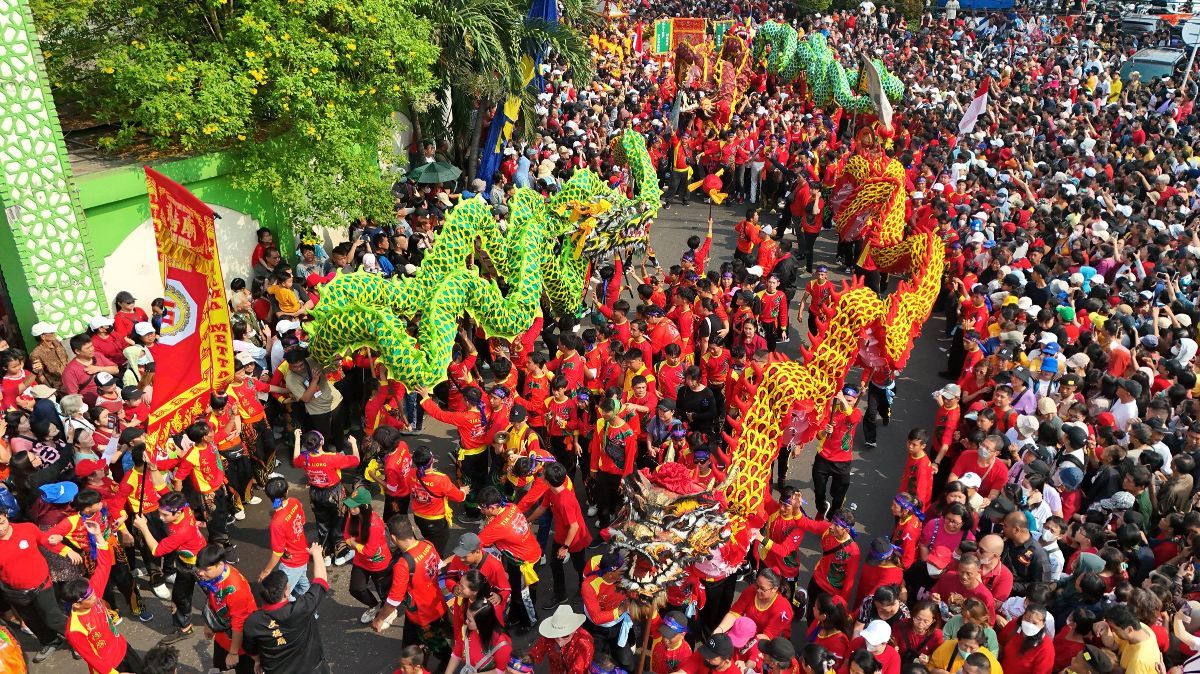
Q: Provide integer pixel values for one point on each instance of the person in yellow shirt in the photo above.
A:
(1136, 644)
(950, 657)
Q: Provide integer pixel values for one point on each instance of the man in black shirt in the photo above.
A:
(1022, 555)
(284, 637)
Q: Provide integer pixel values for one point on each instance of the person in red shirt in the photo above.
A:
(79, 373)
(669, 373)
(983, 462)
(1026, 646)
(91, 633)
(16, 378)
(201, 463)
(230, 602)
(562, 641)
(819, 292)
(963, 583)
(432, 491)
(773, 316)
(838, 566)
(415, 588)
(365, 535)
(917, 477)
(606, 608)
(571, 535)
(749, 234)
(764, 603)
(945, 423)
(613, 452)
(831, 468)
(568, 362)
(508, 531)
(185, 540)
(289, 545)
(397, 468)
(669, 648)
(325, 492)
(23, 570)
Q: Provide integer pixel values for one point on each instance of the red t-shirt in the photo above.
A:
(421, 583)
(566, 509)
(183, 536)
(994, 476)
(233, 601)
(324, 470)
(774, 621)
(372, 554)
(509, 532)
(22, 565)
(287, 534)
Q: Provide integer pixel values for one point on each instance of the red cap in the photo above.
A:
(88, 466)
(1106, 419)
(940, 557)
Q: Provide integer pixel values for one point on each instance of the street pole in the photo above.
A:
(1191, 60)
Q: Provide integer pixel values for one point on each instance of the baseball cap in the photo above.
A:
(143, 328)
(43, 328)
(244, 358)
(971, 481)
(673, 623)
(286, 325)
(98, 322)
(517, 414)
(41, 391)
(742, 631)
(949, 391)
(876, 633)
(105, 379)
(88, 466)
(467, 543)
(360, 497)
(780, 649)
(1000, 508)
(1121, 500)
(59, 493)
(717, 646)
(131, 393)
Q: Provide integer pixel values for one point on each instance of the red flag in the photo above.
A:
(975, 109)
(637, 39)
(194, 354)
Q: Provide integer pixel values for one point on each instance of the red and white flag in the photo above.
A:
(637, 39)
(975, 109)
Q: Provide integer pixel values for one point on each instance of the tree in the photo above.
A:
(301, 91)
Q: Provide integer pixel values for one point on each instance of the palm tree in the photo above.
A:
(481, 45)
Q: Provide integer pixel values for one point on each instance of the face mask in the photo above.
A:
(1049, 537)
(1029, 629)
(963, 654)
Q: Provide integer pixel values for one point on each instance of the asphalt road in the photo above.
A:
(351, 647)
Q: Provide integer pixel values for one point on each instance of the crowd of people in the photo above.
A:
(1045, 519)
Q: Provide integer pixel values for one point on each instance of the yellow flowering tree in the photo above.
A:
(301, 91)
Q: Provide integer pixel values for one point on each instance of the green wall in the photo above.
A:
(115, 201)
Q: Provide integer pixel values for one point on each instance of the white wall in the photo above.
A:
(133, 266)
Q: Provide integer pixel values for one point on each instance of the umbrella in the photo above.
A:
(437, 172)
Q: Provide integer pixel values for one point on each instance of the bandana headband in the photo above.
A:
(842, 523)
(670, 622)
(909, 506)
(519, 665)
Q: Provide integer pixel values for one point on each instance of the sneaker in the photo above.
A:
(139, 573)
(239, 515)
(470, 519)
(171, 578)
(552, 602)
(161, 591)
(328, 561)
(176, 636)
(346, 556)
(273, 476)
(592, 510)
(47, 651)
(784, 339)
(542, 561)
(115, 618)
(254, 500)
(870, 443)
(144, 617)
(368, 615)
(387, 622)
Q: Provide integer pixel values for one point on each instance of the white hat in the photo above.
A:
(1184, 320)
(143, 328)
(971, 480)
(949, 391)
(1027, 424)
(244, 358)
(98, 322)
(286, 325)
(768, 230)
(756, 270)
(43, 328)
(562, 623)
(876, 633)
(1048, 338)
(1025, 303)
(1079, 360)
(938, 187)
(918, 195)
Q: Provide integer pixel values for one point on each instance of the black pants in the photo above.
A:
(437, 532)
(181, 594)
(564, 454)
(608, 497)
(814, 591)
(395, 505)
(831, 481)
(364, 584)
(718, 600)
(132, 662)
(606, 642)
(216, 509)
(878, 411)
(781, 465)
(240, 472)
(521, 610)
(331, 425)
(245, 663)
(772, 333)
(558, 570)
(42, 614)
(140, 549)
(808, 249)
(327, 511)
(678, 187)
(474, 469)
(263, 452)
(958, 353)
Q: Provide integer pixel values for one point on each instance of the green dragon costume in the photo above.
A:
(545, 249)
(828, 81)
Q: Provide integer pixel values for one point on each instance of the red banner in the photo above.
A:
(691, 31)
(194, 353)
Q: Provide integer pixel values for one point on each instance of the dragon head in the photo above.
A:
(669, 522)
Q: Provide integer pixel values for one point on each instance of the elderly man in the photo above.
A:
(1022, 555)
(49, 356)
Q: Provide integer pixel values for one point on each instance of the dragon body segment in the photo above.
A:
(545, 248)
(829, 82)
